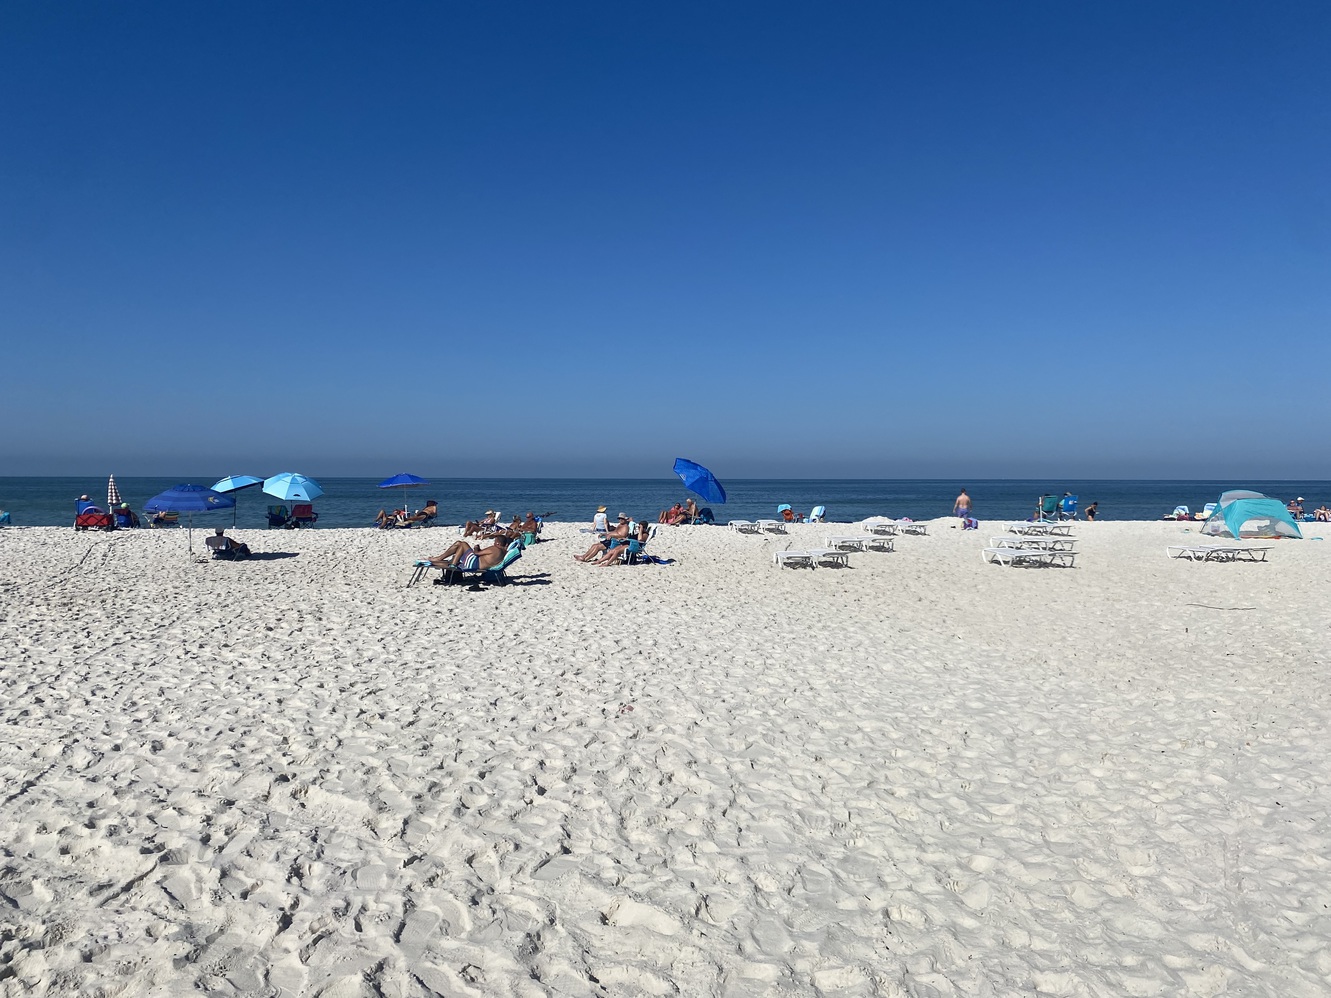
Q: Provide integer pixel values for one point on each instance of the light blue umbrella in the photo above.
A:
(234, 483)
(292, 487)
(189, 499)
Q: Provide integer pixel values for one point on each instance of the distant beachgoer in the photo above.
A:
(670, 515)
(484, 527)
(1322, 514)
(430, 511)
(962, 506)
(635, 544)
(394, 519)
(1091, 510)
(1295, 508)
(599, 524)
(613, 538)
(226, 547)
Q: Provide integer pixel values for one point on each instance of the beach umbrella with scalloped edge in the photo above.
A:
(189, 499)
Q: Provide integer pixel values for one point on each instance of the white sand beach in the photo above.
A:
(919, 776)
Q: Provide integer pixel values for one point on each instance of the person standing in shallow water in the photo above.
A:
(962, 507)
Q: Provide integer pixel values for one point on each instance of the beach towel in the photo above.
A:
(970, 523)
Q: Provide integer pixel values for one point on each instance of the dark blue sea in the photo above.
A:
(353, 502)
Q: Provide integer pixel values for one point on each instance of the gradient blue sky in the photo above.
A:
(796, 240)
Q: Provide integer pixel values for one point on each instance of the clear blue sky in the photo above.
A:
(783, 239)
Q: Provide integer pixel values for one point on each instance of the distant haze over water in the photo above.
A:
(353, 502)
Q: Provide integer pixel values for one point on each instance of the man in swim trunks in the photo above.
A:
(635, 545)
(615, 536)
(962, 507)
(462, 555)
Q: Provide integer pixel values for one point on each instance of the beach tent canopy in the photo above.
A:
(1241, 513)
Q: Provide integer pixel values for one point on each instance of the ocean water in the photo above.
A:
(353, 502)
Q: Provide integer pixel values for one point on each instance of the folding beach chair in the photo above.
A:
(303, 515)
(4, 516)
(1049, 507)
(1067, 508)
(278, 516)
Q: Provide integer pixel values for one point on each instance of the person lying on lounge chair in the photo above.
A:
(462, 555)
(614, 553)
(483, 527)
(617, 535)
(393, 519)
(1322, 514)
(430, 511)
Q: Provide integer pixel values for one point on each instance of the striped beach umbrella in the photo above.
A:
(112, 495)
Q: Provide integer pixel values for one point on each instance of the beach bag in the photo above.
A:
(970, 523)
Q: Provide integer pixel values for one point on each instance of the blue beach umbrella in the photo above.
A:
(189, 499)
(402, 481)
(234, 483)
(698, 479)
(292, 487)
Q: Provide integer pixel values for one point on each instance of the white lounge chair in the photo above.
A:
(1048, 543)
(744, 527)
(917, 527)
(795, 559)
(1029, 557)
(881, 525)
(860, 542)
(771, 526)
(829, 556)
(1216, 552)
(1040, 528)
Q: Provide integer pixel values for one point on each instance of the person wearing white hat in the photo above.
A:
(1295, 508)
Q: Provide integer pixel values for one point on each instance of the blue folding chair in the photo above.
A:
(1067, 508)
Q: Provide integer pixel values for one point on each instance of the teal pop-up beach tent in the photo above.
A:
(1250, 514)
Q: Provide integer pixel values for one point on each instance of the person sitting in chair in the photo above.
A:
(1295, 508)
(1322, 514)
(635, 544)
(462, 555)
(614, 537)
(671, 515)
(223, 546)
(430, 511)
(126, 517)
